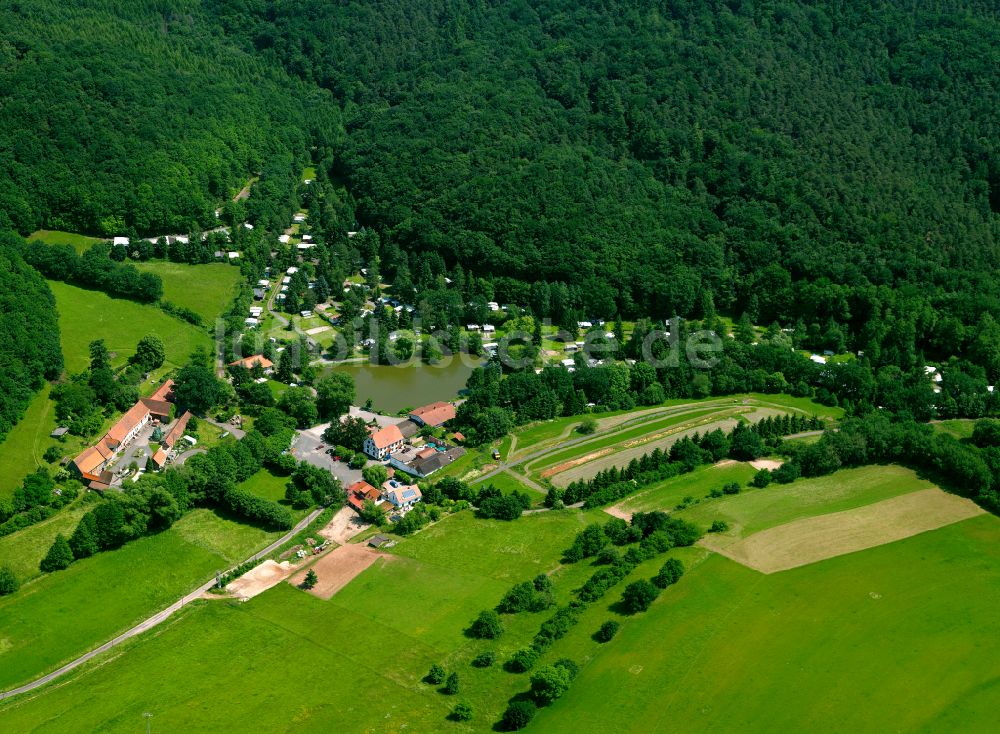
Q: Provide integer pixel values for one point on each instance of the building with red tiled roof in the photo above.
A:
(159, 458)
(175, 433)
(135, 418)
(434, 415)
(383, 442)
(92, 460)
(164, 392)
(251, 362)
(358, 492)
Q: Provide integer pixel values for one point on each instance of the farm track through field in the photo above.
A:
(621, 458)
(153, 620)
(629, 420)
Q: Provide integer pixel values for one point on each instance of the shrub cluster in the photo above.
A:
(528, 596)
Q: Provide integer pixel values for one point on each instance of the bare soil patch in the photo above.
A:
(576, 462)
(770, 464)
(344, 526)
(338, 568)
(814, 539)
(616, 511)
(259, 579)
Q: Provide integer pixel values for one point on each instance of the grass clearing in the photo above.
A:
(88, 315)
(666, 495)
(959, 428)
(22, 449)
(381, 632)
(63, 614)
(80, 242)
(863, 642)
(205, 289)
(267, 485)
(813, 539)
(24, 549)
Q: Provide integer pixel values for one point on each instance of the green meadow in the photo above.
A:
(86, 315)
(267, 485)
(63, 614)
(861, 642)
(759, 509)
(80, 242)
(666, 495)
(205, 289)
(903, 637)
(24, 549)
(22, 449)
(638, 433)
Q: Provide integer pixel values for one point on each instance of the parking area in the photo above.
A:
(309, 446)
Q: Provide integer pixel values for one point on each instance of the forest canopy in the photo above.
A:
(648, 152)
(122, 116)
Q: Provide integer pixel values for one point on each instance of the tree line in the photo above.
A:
(30, 352)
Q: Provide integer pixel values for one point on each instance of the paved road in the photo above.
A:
(181, 458)
(237, 433)
(153, 620)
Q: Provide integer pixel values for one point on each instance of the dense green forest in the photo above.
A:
(825, 161)
(833, 167)
(122, 116)
(29, 334)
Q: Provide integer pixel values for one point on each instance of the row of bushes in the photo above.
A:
(744, 443)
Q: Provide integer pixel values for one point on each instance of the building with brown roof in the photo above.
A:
(159, 459)
(383, 442)
(135, 418)
(434, 415)
(91, 462)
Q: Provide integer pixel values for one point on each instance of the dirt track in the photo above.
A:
(813, 539)
(338, 568)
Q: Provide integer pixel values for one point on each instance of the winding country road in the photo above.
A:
(154, 620)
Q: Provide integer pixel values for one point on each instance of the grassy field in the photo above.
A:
(632, 435)
(379, 635)
(758, 509)
(80, 242)
(861, 642)
(958, 428)
(667, 494)
(63, 614)
(22, 449)
(507, 483)
(88, 315)
(205, 289)
(267, 485)
(902, 637)
(24, 549)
